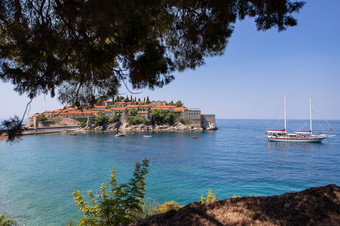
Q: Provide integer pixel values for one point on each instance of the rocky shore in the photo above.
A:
(314, 206)
(126, 127)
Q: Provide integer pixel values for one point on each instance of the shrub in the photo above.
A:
(47, 122)
(4, 221)
(211, 197)
(115, 118)
(149, 208)
(184, 122)
(41, 118)
(101, 120)
(82, 120)
(121, 205)
(133, 112)
(165, 207)
(135, 120)
(161, 117)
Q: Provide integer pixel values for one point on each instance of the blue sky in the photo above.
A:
(249, 80)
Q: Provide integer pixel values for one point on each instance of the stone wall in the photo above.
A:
(208, 121)
(193, 116)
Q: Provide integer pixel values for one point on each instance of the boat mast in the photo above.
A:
(285, 111)
(310, 115)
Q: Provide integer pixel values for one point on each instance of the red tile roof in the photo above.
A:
(101, 107)
(118, 109)
(180, 108)
(132, 106)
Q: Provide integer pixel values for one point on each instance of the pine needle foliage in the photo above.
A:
(120, 205)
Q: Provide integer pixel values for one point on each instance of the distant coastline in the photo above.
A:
(125, 114)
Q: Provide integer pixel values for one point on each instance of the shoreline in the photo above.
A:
(75, 129)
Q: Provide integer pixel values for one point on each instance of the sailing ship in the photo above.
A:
(297, 136)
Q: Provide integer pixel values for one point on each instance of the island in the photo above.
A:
(125, 114)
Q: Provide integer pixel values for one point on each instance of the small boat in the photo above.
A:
(296, 136)
(120, 135)
(73, 134)
(147, 136)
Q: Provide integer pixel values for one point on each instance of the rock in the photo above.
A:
(314, 206)
(98, 128)
(211, 126)
(87, 128)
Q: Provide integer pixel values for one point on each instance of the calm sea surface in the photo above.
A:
(39, 173)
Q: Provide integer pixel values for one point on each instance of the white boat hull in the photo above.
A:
(311, 139)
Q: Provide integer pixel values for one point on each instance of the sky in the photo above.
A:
(250, 79)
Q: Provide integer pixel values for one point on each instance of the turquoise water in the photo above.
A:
(39, 173)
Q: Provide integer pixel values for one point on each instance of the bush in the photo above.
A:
(101, 120)
(82, 120)
(236, 196)
(136, 120)
(149, 208)
(161, 117)
(133, 112)
(47, 122)
(165, 207)
(4, 221)
(121, 205)
(115, 118)
(211, 197)
(184, 122)
(41, 118)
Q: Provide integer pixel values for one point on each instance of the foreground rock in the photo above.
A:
(314, 206)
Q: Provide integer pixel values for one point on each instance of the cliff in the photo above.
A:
(314, 206)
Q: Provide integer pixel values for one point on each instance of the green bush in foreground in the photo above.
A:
(211, 197)
(121, 205)
(4, 221)
(165, 207)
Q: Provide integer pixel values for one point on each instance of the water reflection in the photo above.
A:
(272, 146)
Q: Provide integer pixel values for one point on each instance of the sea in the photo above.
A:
(39, 173)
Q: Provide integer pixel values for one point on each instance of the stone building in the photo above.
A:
(193, 116)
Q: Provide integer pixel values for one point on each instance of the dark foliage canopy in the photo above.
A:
(85, 49)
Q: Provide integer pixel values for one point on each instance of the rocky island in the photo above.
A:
(126, 114)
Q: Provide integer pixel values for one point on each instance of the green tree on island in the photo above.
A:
(86, 49)
(179, 103)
